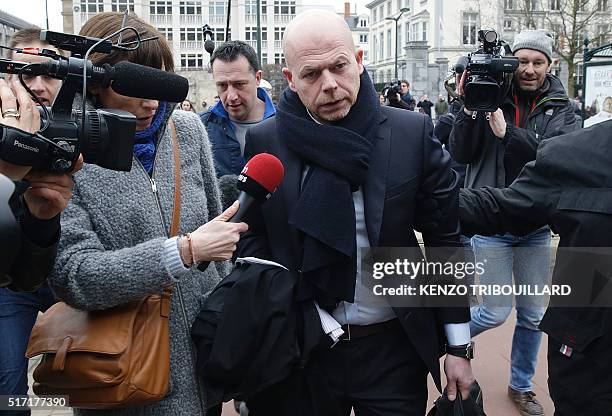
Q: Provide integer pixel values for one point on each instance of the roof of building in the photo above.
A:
(13, 21)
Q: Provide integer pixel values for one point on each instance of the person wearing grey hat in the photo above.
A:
(495, 146)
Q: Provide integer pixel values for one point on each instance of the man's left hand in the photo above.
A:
(498, 123)
(49, 193)
(459, 376)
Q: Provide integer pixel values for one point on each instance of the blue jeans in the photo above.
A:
(528, 258)
(18, 312)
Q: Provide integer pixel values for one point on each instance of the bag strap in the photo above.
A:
(176, 210)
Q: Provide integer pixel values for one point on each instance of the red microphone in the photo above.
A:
(258, 180)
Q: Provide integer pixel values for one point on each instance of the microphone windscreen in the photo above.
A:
(141, 81)
(266, 170)
(209, 46)
(229, 190)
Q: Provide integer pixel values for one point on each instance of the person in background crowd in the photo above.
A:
(266, 86)
(115, 246)
(343, 152)
(242, 104)
(187, 106)
(496, 147)
(441, 107)
(426, 105)
(47, 194)
(406, 96)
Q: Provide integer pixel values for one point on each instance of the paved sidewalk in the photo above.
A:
(491, 367)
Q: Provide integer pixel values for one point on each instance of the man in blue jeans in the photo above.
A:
(495, 147)
(18, 310)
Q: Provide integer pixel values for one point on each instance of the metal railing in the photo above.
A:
(191, 44)
(283, 18)
(161, 18)
(191, 18)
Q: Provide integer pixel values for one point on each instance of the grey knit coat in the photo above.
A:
(111, 249)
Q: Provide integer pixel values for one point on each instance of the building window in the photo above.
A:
(389, 43)
(279, 32)
(363, 38)
(250, 7)
(160, 7)
(414, 29)
(508, 24)
(166, 32)
(92, 6)
(399, 5)
(363, 23)
(216, 8)
(381, 52)
(251, 33)
(602, 5)
(400, 45)
(555, 4)
(602, 35)
(424, 31)
(388, 76)
(279, 58)
(469, 28)
(122, 5)
(264, 58)
(191, 34)
(389, 8)
(375, 47)
(374, 15)
(220, 34)
(190, 7)
(191, 60)
(365, 55)
(286, 7)
(508, 4)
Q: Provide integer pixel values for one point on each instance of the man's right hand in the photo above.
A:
(19, 111)
(217, 239)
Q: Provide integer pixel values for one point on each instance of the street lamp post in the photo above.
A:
(396, 19)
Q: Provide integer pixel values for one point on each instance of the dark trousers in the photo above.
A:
(582, 383)
(18, 312)
(379, 375)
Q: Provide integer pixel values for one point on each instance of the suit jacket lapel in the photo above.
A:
(374, 187)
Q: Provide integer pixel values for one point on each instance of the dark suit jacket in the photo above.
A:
(569, 187)
(407, 160)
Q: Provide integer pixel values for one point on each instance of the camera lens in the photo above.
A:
(490, 36)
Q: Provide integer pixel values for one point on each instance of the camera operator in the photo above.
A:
(392, 93)
(496, 146)
(37, 201)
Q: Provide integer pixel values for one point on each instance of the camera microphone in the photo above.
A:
(258, 180)
(125, 78)
(462, 62)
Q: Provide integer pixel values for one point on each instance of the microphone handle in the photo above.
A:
(246, 201)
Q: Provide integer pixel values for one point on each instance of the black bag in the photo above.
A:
(472, 406)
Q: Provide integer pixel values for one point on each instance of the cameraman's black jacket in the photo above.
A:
(567, 187)
(472, 141)
(35, 254)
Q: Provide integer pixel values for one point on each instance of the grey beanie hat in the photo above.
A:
(538, 40)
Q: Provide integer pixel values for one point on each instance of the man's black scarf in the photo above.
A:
(338, 157)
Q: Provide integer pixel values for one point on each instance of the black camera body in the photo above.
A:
(490, 73)
(104, 137)
(391, 89)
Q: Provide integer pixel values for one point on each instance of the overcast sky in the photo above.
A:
(33, 11)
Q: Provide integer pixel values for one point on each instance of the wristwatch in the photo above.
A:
(463, 351)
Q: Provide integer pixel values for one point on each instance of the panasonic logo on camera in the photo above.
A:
(26, 147)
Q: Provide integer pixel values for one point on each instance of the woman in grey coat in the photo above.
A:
(115, 247)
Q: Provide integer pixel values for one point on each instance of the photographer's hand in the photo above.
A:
(498, 123)
(49, 193)
(19, 111)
